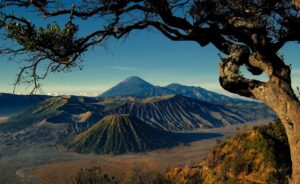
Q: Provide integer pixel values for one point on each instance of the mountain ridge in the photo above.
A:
(178, 112)
(52, 120)
(130, 87)
(200, 93)
(14, 103)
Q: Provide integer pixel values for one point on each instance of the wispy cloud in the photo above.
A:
(124, 68)
(89, 94)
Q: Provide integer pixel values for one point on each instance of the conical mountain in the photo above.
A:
(135, 87)
(120, 134)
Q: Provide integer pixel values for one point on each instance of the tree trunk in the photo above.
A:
(279, 96)
(277, 93)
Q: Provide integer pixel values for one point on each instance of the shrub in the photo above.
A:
(94, 175)
(145, 176)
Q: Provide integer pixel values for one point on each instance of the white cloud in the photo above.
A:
(92, 94)
(124, 68)
(88, 94)
(55, 94)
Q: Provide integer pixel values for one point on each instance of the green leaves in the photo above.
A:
(54, 42)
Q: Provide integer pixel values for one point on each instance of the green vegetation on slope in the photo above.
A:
(258, 156)
(64, 115)
(120, 134)
(43, 110)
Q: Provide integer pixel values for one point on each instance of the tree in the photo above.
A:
(247, 32)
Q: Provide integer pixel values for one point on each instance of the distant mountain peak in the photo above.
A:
(137, 87)
(135, 78)
(175, 84)
(136, 81)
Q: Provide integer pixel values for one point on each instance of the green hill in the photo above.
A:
(11, 104)
(53, 118)
(120, 134)
(258, 156)
(64, 109)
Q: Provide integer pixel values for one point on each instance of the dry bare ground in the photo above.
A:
(50, 165)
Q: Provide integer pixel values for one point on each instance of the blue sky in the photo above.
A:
(146, 54)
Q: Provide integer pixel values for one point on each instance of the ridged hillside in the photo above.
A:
(177, 112)
(11, 103)
(120, 134)
(202, 94)
(54, 117)
(258, 156)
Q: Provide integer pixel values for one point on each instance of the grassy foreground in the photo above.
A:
(260, 155)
